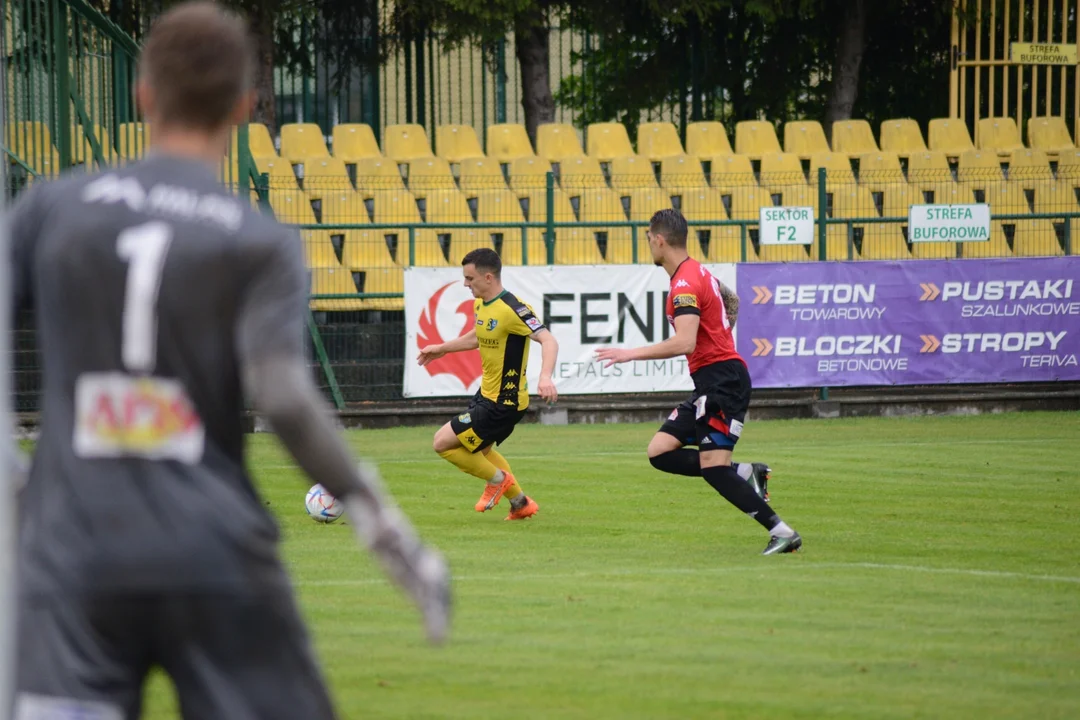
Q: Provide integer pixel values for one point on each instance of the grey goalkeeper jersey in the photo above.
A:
(152, 287)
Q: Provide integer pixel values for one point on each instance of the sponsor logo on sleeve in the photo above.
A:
(686, 300)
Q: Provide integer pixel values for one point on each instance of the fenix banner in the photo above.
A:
(910, 322)
(586, 307)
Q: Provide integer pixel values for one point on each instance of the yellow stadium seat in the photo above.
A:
(428, 175)
(503, 206)
(755, 138)
(81, 149)
(607, 141)
(334, 281)
(679, 172)
(779, 170)
(1049, 134)
(889, 241)
(1061, 199)
(529, 174)
(132, 139)
(838, 170)
(978, 169)
(450, 206)
(457, 143)
(853, 137)
(291, 207)
(573, 246)
(481, 175)
(384, 280)
(707, 139)
(852, 202)
(804, 138)
(1030, 169)
(746, 203)
(730, 171)
(949, 136)
(1004, 199)
(644, 202)
(798, 196)
(716, 243)
(353, 142)
(300, 141)
(555, 141)
(880, 171)
(929, 170)
(902, 136)
(600, 204)
(579, 173)
(377, 175)
(319, 247)
(1068, 168)
(406, 142)
(632, 171)
(280, 172)
(325, 175)
(365, 249)
(259, 141)
(32, 144)
(508, 142)
(343, 207)
(1000, 134)
(394, 207)
(658, 140)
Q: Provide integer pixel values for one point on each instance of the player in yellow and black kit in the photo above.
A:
(504, 326)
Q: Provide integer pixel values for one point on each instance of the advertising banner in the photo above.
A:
(910, 322)
(586, 307)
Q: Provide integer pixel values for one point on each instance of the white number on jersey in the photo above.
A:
(144, 248)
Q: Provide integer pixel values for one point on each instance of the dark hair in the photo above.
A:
(198, 58)
(670, 223)
(485, 260)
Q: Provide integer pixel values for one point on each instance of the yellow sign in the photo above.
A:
(1042, 54)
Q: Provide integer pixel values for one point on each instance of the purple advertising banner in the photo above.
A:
(910, 322)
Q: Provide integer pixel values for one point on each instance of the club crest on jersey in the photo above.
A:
(686, 300)
(491, 324)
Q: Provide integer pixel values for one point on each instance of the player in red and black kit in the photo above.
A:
(713, 417)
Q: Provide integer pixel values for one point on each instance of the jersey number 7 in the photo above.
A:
(144, 248)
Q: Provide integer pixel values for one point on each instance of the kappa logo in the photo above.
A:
(508, 401)
(509, 386)
(465, 366)
(681, 283)
(471, 439)
(511, 373)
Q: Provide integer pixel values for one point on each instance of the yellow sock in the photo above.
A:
(473, 463)
(496, 459)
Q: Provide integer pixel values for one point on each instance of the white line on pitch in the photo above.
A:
(721, 571)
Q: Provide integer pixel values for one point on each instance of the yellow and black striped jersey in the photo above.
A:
(503, 327)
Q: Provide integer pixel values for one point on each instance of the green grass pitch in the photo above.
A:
(940, 577)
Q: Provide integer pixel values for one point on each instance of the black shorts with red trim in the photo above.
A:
(713, 417)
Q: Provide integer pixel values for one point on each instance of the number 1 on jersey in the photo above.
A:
(144, 248)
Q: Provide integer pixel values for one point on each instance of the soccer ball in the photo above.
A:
(322, 506)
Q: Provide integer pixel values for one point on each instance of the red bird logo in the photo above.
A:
(465, 366)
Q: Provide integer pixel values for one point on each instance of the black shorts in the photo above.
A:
(229, 656)
(485, 423)
(713, 417)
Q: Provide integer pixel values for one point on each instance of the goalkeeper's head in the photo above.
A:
(195, 77)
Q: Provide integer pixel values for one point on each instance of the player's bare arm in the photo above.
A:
(549, 347)
(428, 353)
(682, 342)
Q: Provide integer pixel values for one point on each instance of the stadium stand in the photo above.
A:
(679, 172)
(406, 142)
(528, 174)
(377, 174)
(1049, 134)
(727, 172)
(853, 137)
(1000, 134)
(903, 137)
(755, 138)
(1030, 169)
(353, 142)
(581, 172)
(781, 170)
(299, 142)
(456, 143)
(949, 136)
(705, 140)
(879, 171)
(632, 171)
(430, 174)
(555, 141)
(481, 174)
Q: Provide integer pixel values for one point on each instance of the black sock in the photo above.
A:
(683, 461)
(738, 492)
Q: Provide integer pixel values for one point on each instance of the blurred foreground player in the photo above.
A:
(161, 301)
(503, 328)
(713, 417)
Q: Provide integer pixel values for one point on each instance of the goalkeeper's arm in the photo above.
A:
(285, 395)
